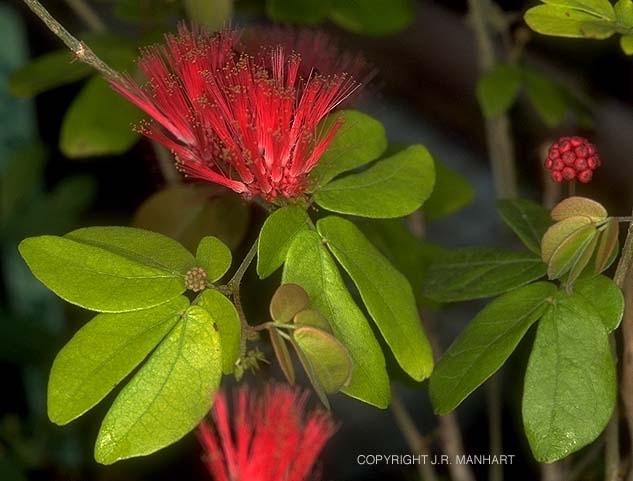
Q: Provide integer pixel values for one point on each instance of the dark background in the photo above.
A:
(425, 92)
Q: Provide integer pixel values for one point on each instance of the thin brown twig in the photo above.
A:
(418, 444)
(624, 279)
(80, 49)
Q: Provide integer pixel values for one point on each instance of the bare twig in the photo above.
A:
(499, 140)
(81, 50)
(417, 443)
(449, 432)
(87, 14)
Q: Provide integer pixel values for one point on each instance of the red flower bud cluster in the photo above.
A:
(572, 158)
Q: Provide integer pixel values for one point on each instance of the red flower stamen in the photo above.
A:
(272, 438)
(246, 122)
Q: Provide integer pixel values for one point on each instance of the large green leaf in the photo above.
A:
(304, 12)
(410, 255)
(109, 269)
(487, 342)
(606, 298)
(527, 219)
(98, 122)
(309, 264)
(386, 293)
(451, 193)
(169, 395)
(393, 187)
(498, 89)
(189, 212)
(475, 273)
(276, 236)
(359, 140)
(570, 388)
(373, 17)
(227, 321)
(563, 19)
(104, 352)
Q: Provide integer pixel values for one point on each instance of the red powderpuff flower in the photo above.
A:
(572, 158)
(319, 51)
(246, 122)
(272, 438)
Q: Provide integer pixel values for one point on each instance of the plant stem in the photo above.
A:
(166, 164)
(624, 280)
(498, 138)
(81, 50)
(417, 443)
(449, 432)
(501, 151)
(233, 287)
(87, 14)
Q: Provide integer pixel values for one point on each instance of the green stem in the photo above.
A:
(234, 286)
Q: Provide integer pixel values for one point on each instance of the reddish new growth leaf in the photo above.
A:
(572, 158)
(268, 438)
(247, 122)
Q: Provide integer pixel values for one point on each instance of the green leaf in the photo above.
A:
(20, 178)
(288, 301)
(59, 68)
(571, 250)
(559, 232)
(213, 14)
(527, 219)
(98, 122)
(305, 12)
(310, 317)
(624, 12)
(275, 238)
(410, 255)
(373, 17)
(309, 264)
(566, 21)
(474, 273)
(359, 140)
(606, 298)
(213, 256)
(102, 353)
(188, 212)
(280, 347)
(498, 89)
(575, 206)
(169, 395)
(626, 44)
(386, 293)
(607, 245)
(329, 361)
(547, 97)
(109, 269)
(227, 322)
(486, 343)
(598, 8)
(451, 193)
(393, 187)
(570, 388)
